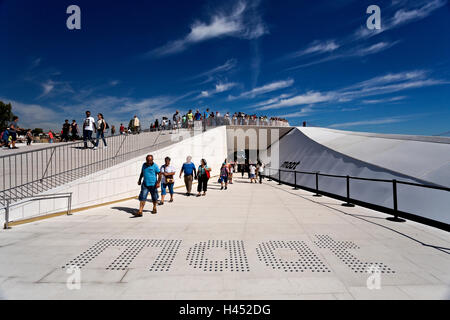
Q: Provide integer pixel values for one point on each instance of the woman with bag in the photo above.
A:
(224, 173)
(101, 128)
(203, 175)
(167, 180)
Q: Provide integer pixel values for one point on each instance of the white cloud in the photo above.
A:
(222, 87)
(402, 17)
(35, 115)
(271, 101)
(377, 86)
(317, 47)
(386, 100)
(371, 122)
(270, 87)
(47, 88)
(351, 53)
(219, 88)
(241, 22)
(303, 99)
(227, 66)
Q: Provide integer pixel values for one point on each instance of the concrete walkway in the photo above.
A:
(249, 242)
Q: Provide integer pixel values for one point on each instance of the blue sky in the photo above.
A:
(312, 61)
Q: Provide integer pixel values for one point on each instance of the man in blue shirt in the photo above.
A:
(189, 173)
(152, 179)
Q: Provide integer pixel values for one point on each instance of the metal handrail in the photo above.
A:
(348, 198)
(9, 203)
(32, 172)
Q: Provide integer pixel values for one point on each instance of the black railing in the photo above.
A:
(350, 202)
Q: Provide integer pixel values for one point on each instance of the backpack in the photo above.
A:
(5, 135)
(106, 125)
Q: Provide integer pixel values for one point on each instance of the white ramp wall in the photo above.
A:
(120, 182)
(372, 157)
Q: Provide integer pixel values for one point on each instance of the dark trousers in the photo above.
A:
(202, 183)
(260, 177)
(100, 134)
(87, 135)
(65, 136)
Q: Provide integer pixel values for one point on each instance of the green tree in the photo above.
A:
(37, 131)
(6, 115)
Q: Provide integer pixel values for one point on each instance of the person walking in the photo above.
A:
(101, 128)
(190, 173)
(203, 174)
(113, 130)
(190, 119)
(122, 129)
(230, 174)
(260, 168)
(176, 121)
(12, 130)
(252, 170)
(136, 125)
(65, 131)
(29, 137)
(151, 174)
(224, 172)
(74, 130)
(51, 137)
(167, 180)
(88, 129)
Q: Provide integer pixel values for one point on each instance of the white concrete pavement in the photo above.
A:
(249, 242)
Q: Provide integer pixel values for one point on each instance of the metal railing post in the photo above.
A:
(279, 177)
(348, 204)
(295, 180)
(270, 174)
(7, 215)
(69, 205)
(317, 186)
(395, 199)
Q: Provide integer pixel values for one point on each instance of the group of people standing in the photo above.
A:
(9, 135)
(255, 171)
(69, 131)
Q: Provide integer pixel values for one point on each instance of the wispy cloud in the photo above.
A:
(270, 87)
(240, 22)
(52, 88)
(350, 53)
(303, 99)
(219, 88)
(377, 86)
(386, 100)
(271, 100)
(407, 14)
(379, 121)
(210, 74)
(305, 111)
(316, 47)
(35, 115)
(331, 50)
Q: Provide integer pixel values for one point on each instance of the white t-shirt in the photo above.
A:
(252, 169)
(166, 169)
(261, 169)
(89, 124)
